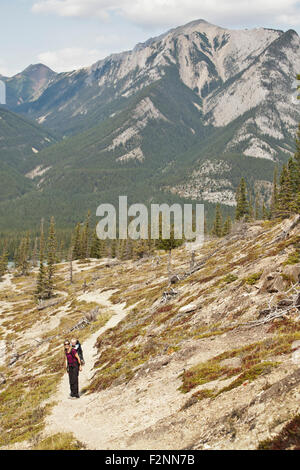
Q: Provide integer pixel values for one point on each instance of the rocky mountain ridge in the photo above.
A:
(187, 113)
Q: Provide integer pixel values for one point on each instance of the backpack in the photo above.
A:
(79, 351)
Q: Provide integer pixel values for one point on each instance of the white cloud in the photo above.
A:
(158, 13)
(4, 70)
(110, 40)
(71, 58)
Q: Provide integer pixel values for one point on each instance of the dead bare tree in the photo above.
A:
(71, 264)
(192, 261)
(285, 233)
(282, 309)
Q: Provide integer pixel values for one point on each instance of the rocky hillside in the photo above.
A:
(208, 360)
(28, 85)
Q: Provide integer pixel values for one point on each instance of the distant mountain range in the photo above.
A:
(180, 117)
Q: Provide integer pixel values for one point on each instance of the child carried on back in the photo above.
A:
(76, 345)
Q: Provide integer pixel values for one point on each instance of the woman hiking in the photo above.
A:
(73, 366)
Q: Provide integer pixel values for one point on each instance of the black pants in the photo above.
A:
(73, 378)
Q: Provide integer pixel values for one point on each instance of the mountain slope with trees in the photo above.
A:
(178, 119)
(19, 140)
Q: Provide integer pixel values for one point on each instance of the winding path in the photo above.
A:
(66, 414)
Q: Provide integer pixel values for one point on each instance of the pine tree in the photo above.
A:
(60, 252)
(85, 238)
(257, 207)
(251, 210)
(217, 226)
(113, 248)
(129, 249)
(3, 262)
(227, 227)
(285, 195)
(41, 280)
(297, 203)
(77, 242)
(121, 249)
(274, 200)
(297, 160)
(51, 259)
(102, 251)
(288, 195)
(242, 207)
(293, 174)
(35, 252)
(237, 199)
(140, 249)
(168, 244)
(95, 246)
(23, 257)
(71, 264)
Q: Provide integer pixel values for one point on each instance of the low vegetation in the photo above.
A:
(252, 361)
(287, 439)
(59, 441)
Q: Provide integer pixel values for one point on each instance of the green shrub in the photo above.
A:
(229, 278)
(293, 258)
(251, 280)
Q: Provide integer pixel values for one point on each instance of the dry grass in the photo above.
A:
(127, 347)
(59, 441)
(253, 361)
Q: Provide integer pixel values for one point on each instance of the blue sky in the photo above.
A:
(68, 34)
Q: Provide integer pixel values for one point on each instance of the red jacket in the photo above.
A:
(71, 358)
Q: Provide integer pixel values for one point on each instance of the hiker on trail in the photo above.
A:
(76, 345)
(73, 366)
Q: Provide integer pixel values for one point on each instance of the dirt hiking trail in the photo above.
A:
(65, 416)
